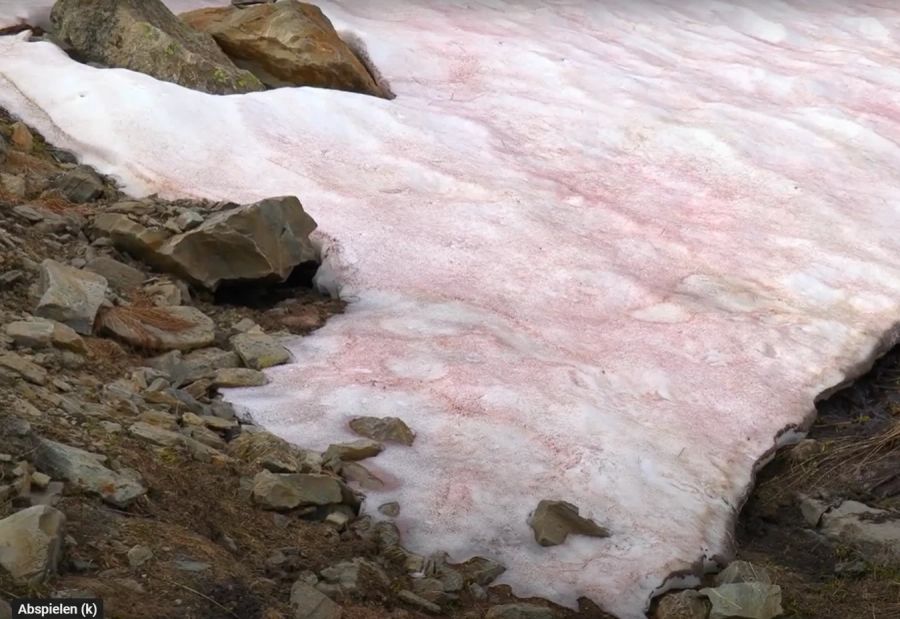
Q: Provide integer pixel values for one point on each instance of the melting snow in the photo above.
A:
(597, 251)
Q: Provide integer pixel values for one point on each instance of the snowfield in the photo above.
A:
(598, 251)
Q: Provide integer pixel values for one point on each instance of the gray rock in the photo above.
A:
(418, 601)
(264, 449)
(138, 555)
(812, 510)
(41, 333)
(188, 219)
(187, 565)
(745, 600)
(554, 521)
(228, 378)
(168, 438)
(128, 235)
(259, 351)
(391, 510)
(874, 532)
(120, 276)
(383, 429)
(85, 471)
(430, 589)
(742, 571)
(31, 543)
(79, 185)
(144, 36)
(205, 361)
(257, 242)
(481, 571)
(682, 605)
(518, 611)
(31, 372)
(307, 602)
(284, 491)
(70, 296)
(159, 328)
(354, 577)
(353, 451)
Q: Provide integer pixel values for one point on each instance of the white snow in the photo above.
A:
(599, 251)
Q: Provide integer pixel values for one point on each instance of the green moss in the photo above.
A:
(172, 49)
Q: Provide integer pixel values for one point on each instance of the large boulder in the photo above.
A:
(263, 241)
(144, 36)
(159, 328)
(287, 43)
(31, 543)
(70, 296)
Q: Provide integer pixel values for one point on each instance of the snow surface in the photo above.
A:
(596, 251)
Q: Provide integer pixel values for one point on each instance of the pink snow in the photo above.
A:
(605, 252)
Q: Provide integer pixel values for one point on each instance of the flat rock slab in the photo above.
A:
(608, 250)
(86, 471)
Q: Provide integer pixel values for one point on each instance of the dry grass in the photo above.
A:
(838, 457)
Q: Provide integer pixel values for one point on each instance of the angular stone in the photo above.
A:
(159, 328)
(288, 491)
(144, 36)
(480, 570)
(307, 602)
(383, 429)
(228, 378)
(84, 470)
(128, 235)
(79, 185)
(874, 532)
(812, 510)
(31, 372)
(70, 296)
(168, 438)
(259, 351)
(120, 276)
(138, 555)
(682, 605)
(353, 451)
(263, 241)
(357, 473)
(554, 521)
(391, 509)
(351, 577)
(742, 571)
(40, 333)
(746, 600)
(31, 543)
(518, 611)
(418, 601)
(287, 43)
(261, 448)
